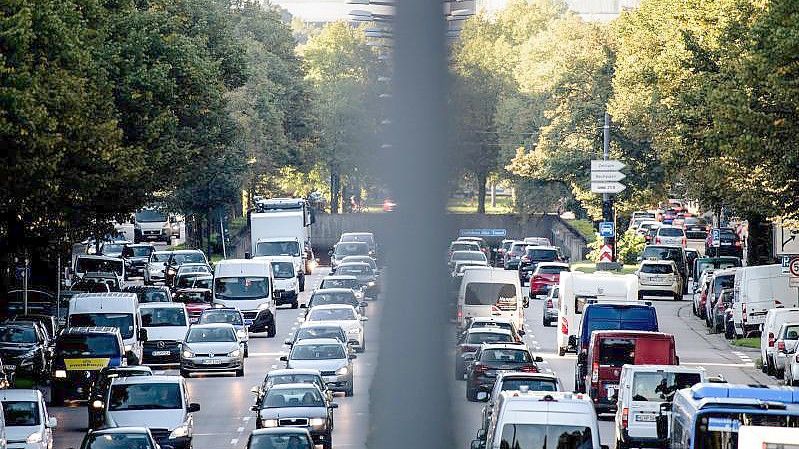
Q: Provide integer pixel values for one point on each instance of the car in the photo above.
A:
(337, 281)
(463, 245)
(365, 274)
(533, 255)
(231, 316)
(167, 325)
(119, 437)
(336, 296)
(280, 437)
(691, 255)
(290, 376)
(180, 257)
(546, 276)
(700, 293)
(159, 403)
(318, 330)
(99, 390)
(494, 323)
(649, 237)
(330, 357)
(551, 307)
(25, 351)
(113, 248)
(785, 345)
(471, 341)
(150, 293)
(473, 256)
(659, 279)
(673, 253)
(346, 317)
(365, 237)
(720, 280)
(27, 422)
(513, 255)
(211, 348)
(48, 322)
(770, 335)
(136, 256)
(513, 381)
(286, 282)
(729, 243)
(298, 406)
(196, 301)
(343, 249)
(643, 226)
(364, 259)
(695, 228)
(98, 282)
(499, 255)
(670, 236)
(155, 270)
(491, 359)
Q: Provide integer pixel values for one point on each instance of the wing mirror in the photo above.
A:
(521, 332)
(255, 390)
(353, 356)
(143, 334)
(288, 342)
(364, 318)
(52, 422)
(333, 405)
(284, 358)
(194, 407)
(538, 359)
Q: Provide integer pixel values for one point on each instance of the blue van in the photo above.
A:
(80, 354)
(600, 316)
(708, 415)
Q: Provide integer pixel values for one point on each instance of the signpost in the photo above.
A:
(607, 229)
(786, 241)
(607, 187)
(716, 238)
(607, 176)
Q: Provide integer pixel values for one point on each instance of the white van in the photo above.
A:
(114, 309)
(771, 326)
(245, 284)
(167, 324)
(642, 388)
(519, 419)
(286, 280)
(491, 293)
(755, 291)
(576, 289)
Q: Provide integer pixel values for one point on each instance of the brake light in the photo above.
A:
(564, 326)
(460, 314)
(624, 414)
(737, 243)
(480, 368)
(770, 339)
(657, 239)
(550, 304)
(684, 242)
(529, 369)
(595, 372)
(781, 346)
(525, 259)
(743, 312)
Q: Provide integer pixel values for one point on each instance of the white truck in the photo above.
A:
(279, 227)
(756, 290)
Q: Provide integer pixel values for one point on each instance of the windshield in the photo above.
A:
(118, 441)
(21, 413)
(722, 282)
(181, 258)
(90, 345)
(163, 317)
(154, 295)
(468, 255)
(660, 386)
(543, 255)
(283, 270)
(159, 257)
(652, 268)
(17, 334)
(720, 430)
(355, 270)
(85, 265)
(145, 396)
(138, 251)
(477, 338)
(150, 216)
(193, 297)
(543, 436)
(277, 249)
(616, 352)
(221, 316)
(464, 247)
(210, 335)
(339, 283)
(531, 384)
(320, 299)
(306, 333)
(331, 315)
(552, 270)
(191, 268)
(194, 280)
(351, 249)
(506, 356)
(318, 352)
(242, 287)
(498, 325)
(270, 441)
(292, 379)
(121, 321)
(790, 332)
(489, 293)
(671, 232)
(112, 248)
(293, 397)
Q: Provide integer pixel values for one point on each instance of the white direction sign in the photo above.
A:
(607, 176)
(602, 165)
(607, 187)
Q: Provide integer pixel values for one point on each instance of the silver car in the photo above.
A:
(551, 306)
(346, 317)
(154, 270)
(327, 355)
(211, 347)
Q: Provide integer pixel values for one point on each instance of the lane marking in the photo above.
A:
(240, 429)
(234, 441)
(265, 354)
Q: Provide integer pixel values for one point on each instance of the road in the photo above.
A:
(225, 419)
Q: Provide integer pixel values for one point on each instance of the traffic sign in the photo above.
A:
(607, 176)
(786, 241)
(793, 267)
(483, 232)
(603, 165)
(607, 187)
(786, 263)
(716, 237)
(606, 229)
(606, 254)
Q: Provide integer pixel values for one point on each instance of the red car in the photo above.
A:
(196, 300)
(546, 275)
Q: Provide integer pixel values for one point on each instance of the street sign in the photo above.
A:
(786, 263)
(716, 237)
(483, 232)
(793, 267)
(602, 165)
(606, 229)
(786, 241)
(607, 176)
(606, 254)
(607, 187)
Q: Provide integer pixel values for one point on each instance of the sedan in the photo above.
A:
(154, 270)
(367, 278)
(284, 437)
(329, 356)
(493, 359)
(329, 296)
(298, 406)
(211, 347)
(344, 316)
(290, 376)
(472, 340)
(138, 437)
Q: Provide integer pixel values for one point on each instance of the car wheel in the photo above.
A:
(729, 334)
(693, 307)
(246, 350)
(240, 372)
(302, 283)
(677, 297)
(621, 444)
(184, 373)
(545, 322)
(328, 444)
(271, 331)
(561, 352)
(459, 369)
(779, 374)
(471, 394)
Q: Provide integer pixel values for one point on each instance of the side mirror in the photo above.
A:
(303, 306)
(288, 342)
(194, 407)
(521, 332)
(353, 356)
(247, 255)
(52, 422)
(330, 253)
(481, 434)
(256, 390)
(364, 304)
(639, 259)
(254, 408)
(284, 358)
(333, 405)
(143, 334)
(538, 359)
(482, 396)
(526, 302)
(364, 318)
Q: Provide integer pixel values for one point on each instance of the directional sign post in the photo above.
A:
(607, 187)
(603, 165)
(607, 176)
(793, 268)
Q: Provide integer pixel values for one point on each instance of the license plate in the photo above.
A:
(212, 361)
(248, 322)
(726, 243)
(160, 353)
(194, 320)
(645, 418)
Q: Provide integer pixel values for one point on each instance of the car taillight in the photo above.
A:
(743, 312)
(797, 358)
(595, 372)
(770, 339)
(684, 242)
(720, 305)
(480, 368)
(529, 369)
(460, 314)
(781, 346)
(564, 326)
(624, 414)
(525, 259)
(737, 243)
(549, 304)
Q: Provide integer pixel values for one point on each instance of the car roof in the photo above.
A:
(290, 371)
(332, 290)
(488, 330)
(343, 277)
(282, 431)
(20, 395)
(548, 247)
(212, 325)
(657, 262)
(293, 386)
(320, 324)
(490, 319)
(318, 341)
(354, 264)
(462, 252)
(553, 264)
(154, 379)
(162, 305)
(505, 346)
(115, 430)
(357, 233)
(333, 306)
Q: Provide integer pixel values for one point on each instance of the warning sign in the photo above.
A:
(86, 364)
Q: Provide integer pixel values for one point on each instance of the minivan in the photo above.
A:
(491, 293)
(610, 350)
(119, 310)
(247, 284)
(80, 354)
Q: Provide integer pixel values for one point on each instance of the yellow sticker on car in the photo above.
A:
(86, 364)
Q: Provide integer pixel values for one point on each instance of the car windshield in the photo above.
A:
(790, 332)
(150, 216)
(545, 436)
(518, 248)
(85, 265)
(365, 238)
(463, 246)
(671, 232)
(656, 268)
(118, 441)
(728, 234)
(121, 321)
(660, 386)
(210, 335)
(21, 413)
(112, 248)
(283, 270)
(719, 430)
(159, 257)
(468, 255)
(355, 270)
(89, 345)
(552, 269)
(193, 297)
(331, 314)
(545, 255)
(162, 317)
(305, 333)
(187, 269)
(241, 287)
(193, 280)
(293, 397)
(723, 281)
(506, 356)
(221, 316)
(351, 249)
(17, 334)
(476, 338)
(531, 384)
(488, 293)
(153, 295)
(339, 283)
(139, 251)
(145, 396)
(277, 249)
(320, 299)
(616, 352)
(273, 441)
(181, 258)
(318, 352)
(491, 324)
(663, 253)
(280, 379)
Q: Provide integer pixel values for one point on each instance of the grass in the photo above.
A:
(752, 342)
(587, 266)
(463, 206)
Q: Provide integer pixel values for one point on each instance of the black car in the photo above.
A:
(365, 275)
(101, 385)
(80, 354)
(150, 293)
(178, 258)
(48, 322)
(695, 228)
(298, 405)
(673, 253)
(136, 257)
(25, 350)
(534, 255)
(729, 244)
(492, 359)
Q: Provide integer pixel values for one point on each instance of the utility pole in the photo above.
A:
(25, 283)
(607, 201)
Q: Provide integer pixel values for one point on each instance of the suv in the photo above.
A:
(659, 278)
(533, 255)
(492, 359)
(25, 351)
(729, 244)
(298, 405)
(673, 253)
(513, 255)
(137, 256)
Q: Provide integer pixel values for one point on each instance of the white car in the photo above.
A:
(346, 317)
(770, 335)
(166, 324)
(331, 357)
(27, 423)
(785, 352)
(670, 236)
(659, 279)
(155, 270)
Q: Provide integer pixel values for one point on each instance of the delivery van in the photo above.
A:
(756, 290)
(491, 293)
(80, 353)
(247, 285)
(114, 309)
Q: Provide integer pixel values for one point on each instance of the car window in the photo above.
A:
(660, 386)
(347, 298)
(339, 283)
(318, 352)
(478, 324)
(321, 332)
(355, 270)
(293, 397)
(552, 269)
(331, 315)
(462, 246)
(17, 334)
(121, 321)
(351, 249)
(21, 413)
(193, 298)
(476, 338)
(488, 293)
(271, 441)
(671, 232)
(292, 379)
(506, 356)
(469, 255)
(545, 255)
(160, 317)
(159, 257)
(210, 335)
(791, 332)
(283, 270)
(616, 352)
(543, 436)
(145, 396)
(531, 384)
(222, 316)
(652, 268)
(90, 345)
(153, 296)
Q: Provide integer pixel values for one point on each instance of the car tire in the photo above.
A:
(471, 394)
(271, 331)
(693, 308)
(545, 322)
(246, 350)
(459, 369)
(621, 444)
(779, 374)
(677, 297)
(240, 372)
(184, 373)
(302, 283)
(561, 352)
(729, 333)
(328, 444)
(295, 304)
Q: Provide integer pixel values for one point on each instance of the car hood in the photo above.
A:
(20, 433)
(321, 365)
(154, 419)
(138, 260)
(172, 333)
(293, 412)
(344, 324)
(220, 348)
(14, 350)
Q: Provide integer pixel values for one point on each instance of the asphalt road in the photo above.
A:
(225, 419)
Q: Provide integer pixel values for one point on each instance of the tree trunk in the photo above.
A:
(481, 193)
(335, 190)
(209, 229)
(493, 194)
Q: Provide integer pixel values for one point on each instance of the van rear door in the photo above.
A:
(654, 350)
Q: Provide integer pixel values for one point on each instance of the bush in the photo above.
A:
(629, 246)
(586, 229)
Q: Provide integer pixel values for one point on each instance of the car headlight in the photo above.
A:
(371, 283)
(317, 422)
(180, 431)
(33, 438)
(263, 306)
(97, 404)
(268, 423)
(342, 371)
(128, 348)
(234, 353)
(60, 374)
(241, 334)
(187, 353)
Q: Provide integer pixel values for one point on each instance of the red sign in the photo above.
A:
(606, 254)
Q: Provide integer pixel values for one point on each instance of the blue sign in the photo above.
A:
(606, 229)
(483, 232)
(716, 237)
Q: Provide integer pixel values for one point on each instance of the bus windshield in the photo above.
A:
(720, 430)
